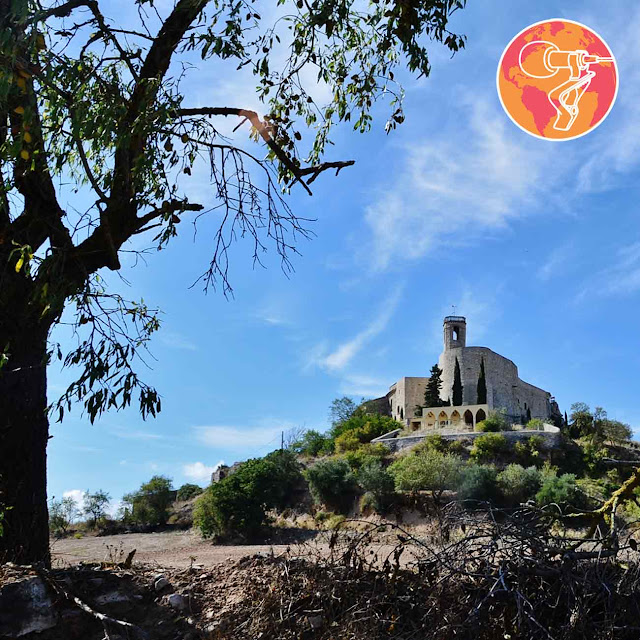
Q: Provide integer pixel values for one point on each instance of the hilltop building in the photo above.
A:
(504, 389)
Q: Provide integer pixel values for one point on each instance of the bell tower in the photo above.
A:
(455, 332)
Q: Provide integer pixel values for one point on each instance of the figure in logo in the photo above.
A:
(542, 59)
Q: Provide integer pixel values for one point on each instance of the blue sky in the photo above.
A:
(536, 243)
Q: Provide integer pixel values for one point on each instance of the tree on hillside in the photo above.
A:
(456, 397)
(95, 505)
(432, 392)
(150, 503)
(482, 384)
(97, 144)
(341, 410)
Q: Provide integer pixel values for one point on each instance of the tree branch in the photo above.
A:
(263, 129)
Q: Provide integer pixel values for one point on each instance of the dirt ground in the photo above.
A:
(167, 549)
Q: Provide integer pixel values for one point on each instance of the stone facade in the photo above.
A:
(404, 396)
(505, 390)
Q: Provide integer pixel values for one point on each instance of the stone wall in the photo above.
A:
(550, 437)
(405, 395)
(505, 390)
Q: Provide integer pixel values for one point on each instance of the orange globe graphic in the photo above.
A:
(557, 79)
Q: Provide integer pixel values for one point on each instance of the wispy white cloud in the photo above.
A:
(621, 278)
(342, 355)
(457, 187)
(363, 386)
(200, 472)
(237, 438)
(134, 434)
(555, 262)
(176, 341)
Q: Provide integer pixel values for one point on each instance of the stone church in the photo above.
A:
(504, 389)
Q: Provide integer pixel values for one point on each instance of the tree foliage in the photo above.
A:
(332, 483)
(457, 392)
(428, 470)
(238, 504)
(188, 491)
(98, 145)
(95, 505)
(150, 504)
(482, 384)
(434, 387)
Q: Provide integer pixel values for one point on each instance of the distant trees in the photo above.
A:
(62, 514)
(457, 386)
(434, 386)
(596, 425)
(342, 409)
(150, 503)
(482, 384)
(188, 491)
(95, 505)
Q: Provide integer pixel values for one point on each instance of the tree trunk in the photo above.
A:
(24, 431)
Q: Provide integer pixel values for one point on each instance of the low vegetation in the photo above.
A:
(341, 473)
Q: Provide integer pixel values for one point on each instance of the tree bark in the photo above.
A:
(24, 432)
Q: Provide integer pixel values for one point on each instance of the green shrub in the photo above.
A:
(456, 447)
(489, 446)
(368, 503)
(432, 442)
(334, 522)
(494, 422)
(483, 427)
(313, 444)
(348, 441)
(366, 425)
(518, 484)
(479, 482)
(561, 490)
(150, 503)
(237, 505)
(332, 483)
(528, 452)
(428, 471)
(536, 424)
(188, 491)
(378, 482)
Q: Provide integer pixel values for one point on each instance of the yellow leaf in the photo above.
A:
(19, 110)
(27, 137)
(24, 154)
(21, 83)
(19, 265)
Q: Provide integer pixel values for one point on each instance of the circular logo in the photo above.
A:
(557, 79)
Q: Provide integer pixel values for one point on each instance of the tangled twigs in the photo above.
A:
(132, 630)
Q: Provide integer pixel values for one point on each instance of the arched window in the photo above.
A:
(455, 334)
(480, 416)
(455, 418)
(401, 413)
(443, 419)
(468, 418)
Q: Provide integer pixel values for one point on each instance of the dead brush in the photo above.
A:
(489, 574)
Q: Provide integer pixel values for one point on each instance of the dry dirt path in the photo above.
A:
(168, 548)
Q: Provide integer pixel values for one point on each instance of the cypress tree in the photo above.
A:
(432, 392)
(457, 386)
(482, 385)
